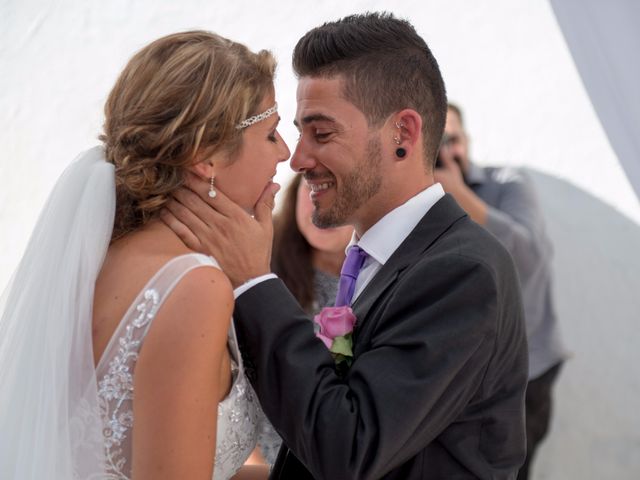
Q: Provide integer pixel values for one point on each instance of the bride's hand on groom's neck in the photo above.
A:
(241, 243)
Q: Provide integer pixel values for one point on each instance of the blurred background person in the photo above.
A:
(503, 200)
(308, 259)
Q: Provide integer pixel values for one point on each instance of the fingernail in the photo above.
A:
(276, 188)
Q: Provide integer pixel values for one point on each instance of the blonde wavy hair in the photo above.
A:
(177, 101)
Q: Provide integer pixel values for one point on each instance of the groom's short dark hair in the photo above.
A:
(386, 67)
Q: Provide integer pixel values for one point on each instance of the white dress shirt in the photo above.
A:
(381, 240)
(384, 238)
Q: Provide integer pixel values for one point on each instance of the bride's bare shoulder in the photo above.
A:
(202, 301)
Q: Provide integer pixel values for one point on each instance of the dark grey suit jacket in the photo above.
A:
(436, 390)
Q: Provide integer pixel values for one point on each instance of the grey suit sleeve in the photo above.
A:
(423, 363)
(518, 223)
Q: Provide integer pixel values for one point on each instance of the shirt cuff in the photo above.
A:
(252, 283)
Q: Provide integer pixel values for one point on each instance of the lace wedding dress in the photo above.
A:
(238, 413)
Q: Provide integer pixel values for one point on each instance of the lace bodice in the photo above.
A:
(238, 413)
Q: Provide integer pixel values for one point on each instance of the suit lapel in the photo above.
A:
(433, 224)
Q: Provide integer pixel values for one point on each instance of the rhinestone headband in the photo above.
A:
(257, 118)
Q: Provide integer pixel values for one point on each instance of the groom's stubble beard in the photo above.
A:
(362, 183)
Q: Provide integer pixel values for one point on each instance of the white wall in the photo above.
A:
(505, 62)
(596, 429)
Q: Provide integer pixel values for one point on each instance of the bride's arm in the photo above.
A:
(177, 380)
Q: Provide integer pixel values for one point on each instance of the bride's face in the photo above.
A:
(247, 173)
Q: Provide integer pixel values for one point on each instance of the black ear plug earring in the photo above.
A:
(400, 152)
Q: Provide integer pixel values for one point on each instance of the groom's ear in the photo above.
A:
(408, 123)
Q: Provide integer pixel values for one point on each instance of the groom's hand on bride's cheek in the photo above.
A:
(222, 229)
(176, 216)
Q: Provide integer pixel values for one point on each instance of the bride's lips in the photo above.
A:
(271, 179)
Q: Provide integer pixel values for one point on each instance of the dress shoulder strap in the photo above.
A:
(165, 280)
(136, 321)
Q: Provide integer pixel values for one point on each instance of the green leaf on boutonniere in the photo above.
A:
(342, 345)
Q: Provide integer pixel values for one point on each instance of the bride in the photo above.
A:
(118, 359)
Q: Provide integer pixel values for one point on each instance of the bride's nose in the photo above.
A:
(285, 152)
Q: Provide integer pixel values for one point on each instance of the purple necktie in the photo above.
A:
(348, 275)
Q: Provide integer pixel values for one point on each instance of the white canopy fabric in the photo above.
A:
(604, 40)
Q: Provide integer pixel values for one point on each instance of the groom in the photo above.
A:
(436, 387)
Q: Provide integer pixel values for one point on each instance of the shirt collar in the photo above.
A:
(384, 238)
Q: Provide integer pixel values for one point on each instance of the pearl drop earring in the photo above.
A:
(212, 190)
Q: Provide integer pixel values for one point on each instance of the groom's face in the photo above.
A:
(337, 152)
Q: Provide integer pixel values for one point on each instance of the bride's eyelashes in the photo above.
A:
(273, 135)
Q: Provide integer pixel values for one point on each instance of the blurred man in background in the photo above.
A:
(504, 202)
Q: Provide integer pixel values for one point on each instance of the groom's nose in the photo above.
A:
(302, 159)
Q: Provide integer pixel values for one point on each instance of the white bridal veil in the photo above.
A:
(50, 426)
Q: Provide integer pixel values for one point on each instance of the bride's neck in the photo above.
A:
(154, 237)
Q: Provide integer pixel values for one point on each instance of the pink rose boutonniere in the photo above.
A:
(336, 325)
